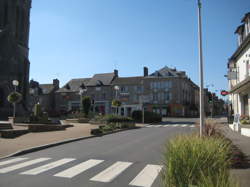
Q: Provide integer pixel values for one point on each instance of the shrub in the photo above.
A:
(117, 119)
(14, 97)
(191, 160)
(149, 117)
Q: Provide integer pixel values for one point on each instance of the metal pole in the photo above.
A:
(14, 107)
(201, 69)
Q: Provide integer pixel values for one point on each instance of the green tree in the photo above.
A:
(86, 104)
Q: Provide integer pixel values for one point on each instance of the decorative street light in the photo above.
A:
(82, 90)
(201, 69)
(15, 84)
(117, 88)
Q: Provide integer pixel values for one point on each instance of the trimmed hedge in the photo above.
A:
(117, 119)
(149, 117)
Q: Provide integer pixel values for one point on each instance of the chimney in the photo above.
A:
(145, 71)
(56, 83)
(116, 72)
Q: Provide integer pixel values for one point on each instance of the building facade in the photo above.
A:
(238, 70)
(14, 52)
(167, 92)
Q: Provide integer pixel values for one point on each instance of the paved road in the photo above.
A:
(128, 158)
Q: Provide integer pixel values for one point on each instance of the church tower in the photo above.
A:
(14, 52)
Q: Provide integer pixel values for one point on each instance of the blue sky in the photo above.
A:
(78, 38)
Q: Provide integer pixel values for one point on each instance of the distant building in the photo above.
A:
(99, 88)
(238, 68)
(14, 52)
(168, 92)
(44, 94)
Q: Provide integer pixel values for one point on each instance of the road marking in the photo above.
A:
(166, 125)
(47, 167)
(184, 125)
(157, 125)
(73, 171)
(22, 165)
(149, 125)
(192, 126)
(175, 125)
(112, 172)
(147, 176)
(12, 161)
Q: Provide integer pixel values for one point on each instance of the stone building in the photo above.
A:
(167, 92)
(44, 94)
(14, 52)
(238, 70)
(98, 88)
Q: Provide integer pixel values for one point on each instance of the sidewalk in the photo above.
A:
(242, 142)
(9, 146)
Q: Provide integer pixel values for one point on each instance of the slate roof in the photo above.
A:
(168, 72)
(46, 88)
(127, 80)
(74, 85)
(104, 79)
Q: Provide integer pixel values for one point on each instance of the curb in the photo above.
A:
(45, 146)
(243, 131)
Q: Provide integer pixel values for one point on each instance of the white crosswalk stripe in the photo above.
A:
(47, 167)
(111, 172)
(22, 165)
(12, 161)
(147, 176)
(175, 125)
(76, 170)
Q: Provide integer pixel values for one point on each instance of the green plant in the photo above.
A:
(14, 97)
(38, 111)
(188, 159)
(86, 104)
(116, 103)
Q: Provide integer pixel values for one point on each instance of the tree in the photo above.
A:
(86, 104)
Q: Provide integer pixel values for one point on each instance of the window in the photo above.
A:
(104, 96)
(247, 68)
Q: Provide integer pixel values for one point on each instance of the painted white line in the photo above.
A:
(184, 125)
(157, 125)
(149, 126)
(112, 172)
(22, 165)
(76, 170)
(166, 125)
(175, 125)
(47, 167)
(192, 126)
(147, 176)
(12, 161)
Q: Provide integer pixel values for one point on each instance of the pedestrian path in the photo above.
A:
(24, 167)
(172, 125)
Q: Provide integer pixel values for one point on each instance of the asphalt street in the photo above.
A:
(128, 158)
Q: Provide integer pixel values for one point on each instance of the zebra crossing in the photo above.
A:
(172, 125)
(145, 178)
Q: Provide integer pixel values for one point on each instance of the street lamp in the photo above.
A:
(82, 90)
(201, 69)
(117, 88)
(15, 83)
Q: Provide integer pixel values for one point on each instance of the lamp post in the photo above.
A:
(201, 69)
(82, 90)
(15, 83)
(116, 96)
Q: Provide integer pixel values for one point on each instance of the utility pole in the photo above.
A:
(201, 69)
